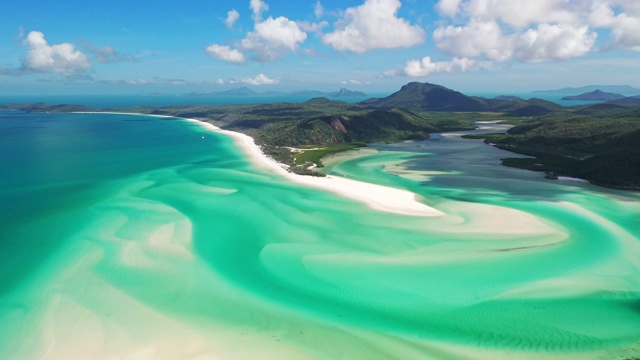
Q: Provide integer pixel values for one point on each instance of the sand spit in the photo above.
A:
(377, 197)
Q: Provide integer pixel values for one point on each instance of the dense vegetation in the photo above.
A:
(604, 150)
(600, 142)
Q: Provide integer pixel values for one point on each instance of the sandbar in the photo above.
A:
(377, 197)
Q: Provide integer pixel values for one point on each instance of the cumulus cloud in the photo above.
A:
(270, 40)
(273, 38)
(475, 39)
(522, 13)
(527, 30)
(448, 7)
(258, 7)
(624, 24)
(535, 30)
(318, 9)
(547, 42)
(62, 58)
(226, 53)
(424, 67)
(312, 27)
(373, 25)
(260, 79)
(232, 16)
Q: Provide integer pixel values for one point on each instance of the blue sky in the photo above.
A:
(139, 47)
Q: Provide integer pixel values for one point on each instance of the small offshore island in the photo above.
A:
(595, 142)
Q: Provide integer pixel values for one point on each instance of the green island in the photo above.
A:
(599, 143)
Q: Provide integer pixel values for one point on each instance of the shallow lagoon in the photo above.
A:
(133, 236)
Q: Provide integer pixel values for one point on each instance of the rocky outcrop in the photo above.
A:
(336, 124)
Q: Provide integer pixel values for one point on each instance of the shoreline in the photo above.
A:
(377, 197)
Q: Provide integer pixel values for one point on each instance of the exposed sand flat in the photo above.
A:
(377, 197)
(205, 257)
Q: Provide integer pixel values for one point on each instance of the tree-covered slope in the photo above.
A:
(604, 150)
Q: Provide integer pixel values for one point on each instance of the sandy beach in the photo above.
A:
(185, 246)
(377, 197)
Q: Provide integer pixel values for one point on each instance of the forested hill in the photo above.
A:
(599, 142)
(417, 96)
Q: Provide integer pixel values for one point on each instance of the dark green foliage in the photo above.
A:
(488, 138)
(599, 142)
(546, 104)
(531, 110)
(314, 156)
(391, 125)
(632, 100)
(603, 150)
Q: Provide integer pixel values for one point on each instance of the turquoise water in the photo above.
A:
(127, 236)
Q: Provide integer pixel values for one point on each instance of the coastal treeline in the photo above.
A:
(600, 143)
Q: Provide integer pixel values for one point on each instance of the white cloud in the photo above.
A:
(523, 13)
(473, 40)
(448, 7)
(624, 26)
(373, 25)
(386, 74)
(270, 39)
(551, 42)
(258, 6)
(226, 53)
(534, 30)
(61, 58)
(220, 81)
(273, 38)
(312, 27)
(261, 79)
(424, 67)
(318, 9)
(232, 16)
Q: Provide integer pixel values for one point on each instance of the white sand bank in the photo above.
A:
(377, 197)
(567, 178)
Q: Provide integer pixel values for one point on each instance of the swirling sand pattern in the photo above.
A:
(152, 242)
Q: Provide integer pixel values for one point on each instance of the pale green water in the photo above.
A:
(156, 239)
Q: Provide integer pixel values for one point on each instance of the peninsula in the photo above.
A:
(594, 142)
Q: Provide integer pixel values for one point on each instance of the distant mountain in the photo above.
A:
(427, 97)
(632, 100)
(312, 93)
(531, 110)
(507, 97)
(347, 93)
(604, 110)
(430, 97)
(597, 95)
(243, 91)
(273, 93)
(617, 89)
